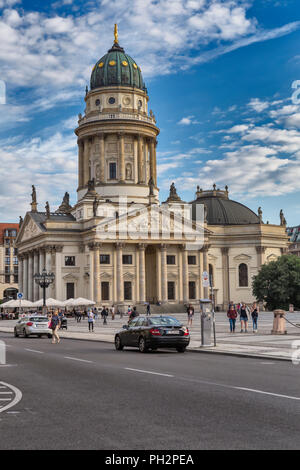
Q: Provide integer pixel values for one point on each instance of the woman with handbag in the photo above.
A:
(54, 325)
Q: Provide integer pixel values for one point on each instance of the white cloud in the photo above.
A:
(186, 121)
(50, 164)
(257, 105)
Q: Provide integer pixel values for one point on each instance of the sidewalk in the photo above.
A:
(260, 345)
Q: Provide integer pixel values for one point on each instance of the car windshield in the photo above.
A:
(165, 321)
(39, 319)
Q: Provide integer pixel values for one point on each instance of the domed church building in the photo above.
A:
(118, 245)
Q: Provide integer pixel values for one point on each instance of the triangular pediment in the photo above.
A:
(29, 229)
(242, 257)
(152, 222)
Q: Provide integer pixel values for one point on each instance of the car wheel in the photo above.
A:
(118, 344)
(25, 334)
(181, 349)
(142, 345)
(16, 334)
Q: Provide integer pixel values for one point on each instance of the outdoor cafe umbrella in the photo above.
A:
(79, 302)
(23, 303)
(49, 303)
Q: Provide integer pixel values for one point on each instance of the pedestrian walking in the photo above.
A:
(232, 315)
(54, 325)
(91, 317)
(113, 312)
(104, 315)
(148, 309)
(190, 313)
(244, 311)
(134, 313)
(254, 315)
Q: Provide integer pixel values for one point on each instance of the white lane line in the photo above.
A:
(76, 359)
(148, 372)
(18, 397)
(34, 350)
(6, 393)
(267, 393)
(5, 399)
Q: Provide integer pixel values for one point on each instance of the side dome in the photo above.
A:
(223, 211)
(116, 68)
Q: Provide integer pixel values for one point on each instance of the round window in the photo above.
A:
(111, 100)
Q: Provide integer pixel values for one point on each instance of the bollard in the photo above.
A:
(279, 323)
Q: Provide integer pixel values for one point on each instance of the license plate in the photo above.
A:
(172, 332)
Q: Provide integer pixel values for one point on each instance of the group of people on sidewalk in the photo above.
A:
(245, 314)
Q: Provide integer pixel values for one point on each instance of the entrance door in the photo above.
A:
(70, 290)
(150, 268)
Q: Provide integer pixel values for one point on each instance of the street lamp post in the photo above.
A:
(44, 280)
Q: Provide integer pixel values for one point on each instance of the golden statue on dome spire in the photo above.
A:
(116, 34)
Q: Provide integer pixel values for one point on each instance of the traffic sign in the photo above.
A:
(20, 295)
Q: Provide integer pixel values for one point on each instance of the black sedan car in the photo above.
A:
(152, 333)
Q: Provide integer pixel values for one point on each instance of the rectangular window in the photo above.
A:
(69, 260)
(7, 241)
(127, 259)
(171, 290)
(15, 260)
(15, 279)
(7, 260)
(105, 290)
(112, 171)
(7, 279)
(7, 251)
(15, 251)
(7, 269)
(192, 290)
(171, 259)
(191, 259)
(127, 290)
(104, 259)
(70, 290)
(15, 269)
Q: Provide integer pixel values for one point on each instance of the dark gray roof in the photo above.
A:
(223, 211)
(40, 218)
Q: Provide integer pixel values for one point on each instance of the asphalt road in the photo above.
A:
(85, 395)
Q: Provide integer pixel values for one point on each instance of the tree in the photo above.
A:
(278, 283)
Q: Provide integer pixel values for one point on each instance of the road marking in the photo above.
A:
(76, 359)
(148, 372)
(6, 393)
(267, 393)
(33, 350)
(17, 398)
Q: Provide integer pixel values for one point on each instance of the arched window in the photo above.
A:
(243, 275)
(211, 274)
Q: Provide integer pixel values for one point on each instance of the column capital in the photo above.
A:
(57, 248)
(163, 246)
(224, 250)
(93, 246)
(120, 245)
(260, 249)
(142, 246)
(205, 248)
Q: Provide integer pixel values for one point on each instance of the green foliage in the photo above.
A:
(278, 283)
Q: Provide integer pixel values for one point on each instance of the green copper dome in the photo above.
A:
(117, 69)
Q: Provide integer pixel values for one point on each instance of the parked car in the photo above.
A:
(153, 333)
(33, 325)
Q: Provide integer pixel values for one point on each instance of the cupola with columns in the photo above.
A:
(117, 135)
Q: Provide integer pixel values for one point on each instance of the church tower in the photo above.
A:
(117, 134)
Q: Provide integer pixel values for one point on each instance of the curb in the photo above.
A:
(192, 349)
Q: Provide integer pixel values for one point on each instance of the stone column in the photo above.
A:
(35, 271)
(91, 272)
(102, 157)
(41, 267)
(121, 158)
(142, 273)
(86, 162)
(30, 276)
(154, 163)
(141, 178)
(158, 274)
(20, 273)
(185, 275)
(164, 276)
(120, 287)
(260, 250)
(25, 276)
(48, 259)
(226, 285)
(97, 280)
(80, 163)
(152, 159)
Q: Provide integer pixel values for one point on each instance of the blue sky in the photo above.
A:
(219, 76)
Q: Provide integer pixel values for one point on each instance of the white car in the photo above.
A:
(33, 325)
